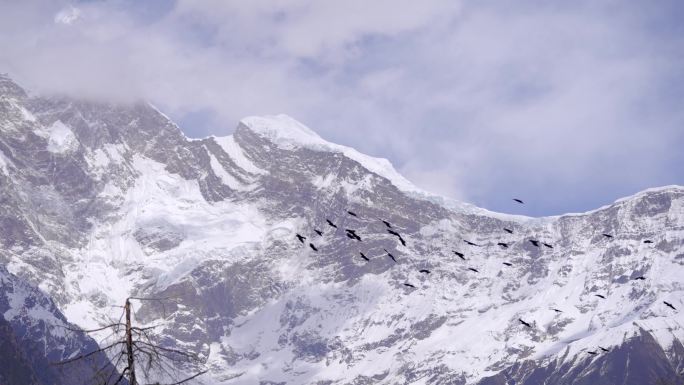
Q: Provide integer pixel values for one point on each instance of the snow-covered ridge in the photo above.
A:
(287, 133)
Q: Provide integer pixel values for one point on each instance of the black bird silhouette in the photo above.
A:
(557, 310)
(600, 296)
(424, 271)
(301, 238)
(352, 234)
(648, 241)
(592, 353)
(547, 245)
(640, 278)
(409, 285)
(525, 323)
(319, 232)
(669, 305)
(470, 243)
(607, 235)
(504, 245)
(534, 242)
(475, 270)
(364, 256)
(604, 349)
(352, 213)
(390, 255)
(311, 245)
(387, 224)
(519, 201)
(330, 223)
(508, 264)
(509, 231)
(460, 255)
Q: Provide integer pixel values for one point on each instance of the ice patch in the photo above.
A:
(60, 138)
(225, 177)
(4, 162)
(238, 156)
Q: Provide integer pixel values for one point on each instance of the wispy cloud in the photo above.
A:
(567, 104)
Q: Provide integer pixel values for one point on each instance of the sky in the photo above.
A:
(566, 105)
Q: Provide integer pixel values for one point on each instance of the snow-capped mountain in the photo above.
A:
(101, 202)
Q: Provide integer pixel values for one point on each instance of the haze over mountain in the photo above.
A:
(101, 201)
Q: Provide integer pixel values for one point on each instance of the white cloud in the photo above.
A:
(562, 102)
(68, 15)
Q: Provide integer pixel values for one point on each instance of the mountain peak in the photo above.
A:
(284, 131)
(289, 134)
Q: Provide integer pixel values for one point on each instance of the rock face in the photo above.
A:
(100, 202)
(35, 338)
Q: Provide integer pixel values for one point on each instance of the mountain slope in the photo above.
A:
(100, 202)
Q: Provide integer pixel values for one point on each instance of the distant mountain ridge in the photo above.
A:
(100, 202)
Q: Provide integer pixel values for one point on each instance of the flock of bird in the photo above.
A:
(352, 234)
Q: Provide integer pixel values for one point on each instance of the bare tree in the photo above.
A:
(136, 347)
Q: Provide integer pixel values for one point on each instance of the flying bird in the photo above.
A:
(311, 245)
(353, 214)
(509, 231)
(330, 223)
(508, 264)
(557, 310)
(426, 271)
(364, 256)
(504, 245)
(470, 243)
(600, 296)
(607, 235)
(519, 201)
(390, 255)
(669, 305)
(648, 241)
(525, 323)
(409, 285)
(460, 255)
(319, 232)
(301, 238)
(471, 269)
(534, 242)
(387, 224)
(352, 234)
(604, 349)
(640, 278)
(547, 245)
